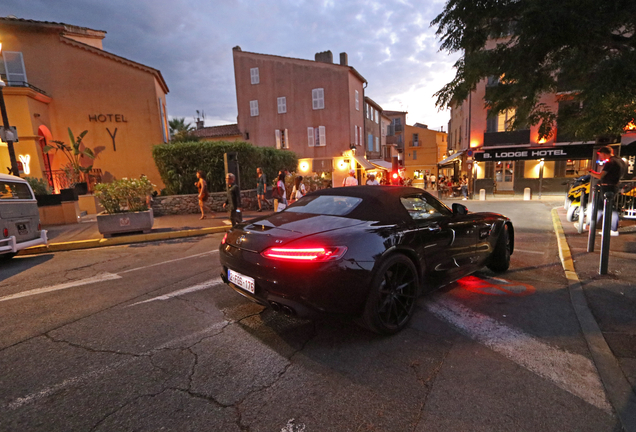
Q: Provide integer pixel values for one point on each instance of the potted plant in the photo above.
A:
(42, 192)
(126, 205)
(75, 171)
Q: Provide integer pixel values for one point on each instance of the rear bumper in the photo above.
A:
(11, 245)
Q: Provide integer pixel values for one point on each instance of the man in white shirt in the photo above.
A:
(372, 181)
(351, 180)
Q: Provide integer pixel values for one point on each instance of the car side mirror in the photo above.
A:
(459, 209)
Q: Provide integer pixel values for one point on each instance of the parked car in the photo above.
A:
(363, 251)
(19, 217)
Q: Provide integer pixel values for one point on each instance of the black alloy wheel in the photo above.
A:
(500, 258)
(392, 296)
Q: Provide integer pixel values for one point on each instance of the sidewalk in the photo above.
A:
(611, 299)
(85, 234)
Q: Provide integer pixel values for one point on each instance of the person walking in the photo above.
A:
(298, 191)
(351, 179)
(261, 188)
(372, 181)
(282, 192)
(233, 201)
(463, 184)
(202, 186)
(608, 177)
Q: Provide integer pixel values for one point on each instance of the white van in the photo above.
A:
(19, 217)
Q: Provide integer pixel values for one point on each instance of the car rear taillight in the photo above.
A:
(5, 232)
(313, 254)
(224, 239)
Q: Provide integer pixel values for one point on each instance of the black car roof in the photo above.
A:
(381, 203)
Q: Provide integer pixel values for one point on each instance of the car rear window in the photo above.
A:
(14, 190)
(325, 205)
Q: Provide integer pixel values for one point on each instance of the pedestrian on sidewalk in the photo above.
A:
(261, 185)
(463, 184)
(298, 191)
(351, 179)
(609, 177)
(202, 185)
(281, 191)
(233, 201)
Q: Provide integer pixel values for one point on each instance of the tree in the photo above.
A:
(584, 49)
(180, 131)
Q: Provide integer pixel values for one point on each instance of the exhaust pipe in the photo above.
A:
(288, 311)
(275, 306)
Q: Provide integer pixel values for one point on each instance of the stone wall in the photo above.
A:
(189, 204)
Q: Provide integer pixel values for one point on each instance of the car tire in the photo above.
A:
(392, 296)
(573, 213)
(500, 258)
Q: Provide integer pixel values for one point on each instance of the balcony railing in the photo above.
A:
(21, 84)
(414, 143)
(502, 138)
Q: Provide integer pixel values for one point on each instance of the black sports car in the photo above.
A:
(365, 251)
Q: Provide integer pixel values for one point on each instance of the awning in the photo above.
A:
(450, 159)
(382, 164)
(364, 163)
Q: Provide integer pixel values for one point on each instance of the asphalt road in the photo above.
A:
(146, 337)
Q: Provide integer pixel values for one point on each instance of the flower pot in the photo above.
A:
(48, 200)
(68, 194)
(118, 223)
(81, 188)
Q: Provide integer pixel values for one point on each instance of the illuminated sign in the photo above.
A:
(25, 159)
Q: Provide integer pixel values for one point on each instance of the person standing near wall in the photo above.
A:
(261, 188)
(609, 177)
(233, 201)
(202, 185)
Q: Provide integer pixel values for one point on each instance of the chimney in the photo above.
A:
(344, 59)
(324, 57)
(200, 124)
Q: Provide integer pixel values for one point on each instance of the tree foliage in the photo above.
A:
(179, 162)
(583, 49)
(180, 131)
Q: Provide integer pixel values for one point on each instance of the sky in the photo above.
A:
(391, 44)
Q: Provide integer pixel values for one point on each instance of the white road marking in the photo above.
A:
(529, 251)
(170, 261)
(571, 372)
(205, 285)
(88, 376)
(95, 279)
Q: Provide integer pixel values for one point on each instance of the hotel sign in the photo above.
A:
(112, 118)
(583, 151)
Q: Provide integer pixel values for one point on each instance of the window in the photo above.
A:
(420, 207)
(321, 136)
(325, 205)
(357, 139)
(414, 154)
(357, 101)
(14, 190)
(282, 138)
(310, 136)
(500, 122)
(370, 142)
(416, 140)
(318, 98)
(254, 108)
(377, 144)
(377, 116)
(254, 75)
(282, 105)
(14, 67)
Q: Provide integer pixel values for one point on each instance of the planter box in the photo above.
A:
(109, 224)
(68, 194)
(48, 200)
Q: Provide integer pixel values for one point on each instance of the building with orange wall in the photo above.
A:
(58, 76)
(424, 148)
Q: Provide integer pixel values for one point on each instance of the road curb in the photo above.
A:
(618, 389)
(123, 240)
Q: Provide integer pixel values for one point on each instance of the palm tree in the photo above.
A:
(180, 131)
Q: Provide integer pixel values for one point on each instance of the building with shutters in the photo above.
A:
(58, 76)
(315, 108)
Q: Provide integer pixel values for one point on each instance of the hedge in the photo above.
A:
(178, 164)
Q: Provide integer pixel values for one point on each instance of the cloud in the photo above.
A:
(389, 43)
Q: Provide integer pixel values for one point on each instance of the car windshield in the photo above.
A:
(14, 190)
(421, 207)
(325, 205)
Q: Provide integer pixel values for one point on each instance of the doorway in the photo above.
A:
(504, 175)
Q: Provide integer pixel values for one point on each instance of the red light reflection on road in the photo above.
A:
(495, 286)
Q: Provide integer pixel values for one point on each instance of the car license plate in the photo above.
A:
(22, 229)
(245, 282)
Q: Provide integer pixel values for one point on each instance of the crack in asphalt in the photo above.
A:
(90, 349)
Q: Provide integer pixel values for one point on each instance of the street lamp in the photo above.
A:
(9, 135)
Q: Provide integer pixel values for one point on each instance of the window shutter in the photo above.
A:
(277, 133)
(357, 101)
(370, 142)
(254, 108)
(356, 137)
(310, 136)
(314, 98)
(286, 138)
(282, 105)
(254, 75)
(323, 135)
(377, 144)
(14, 67)
(318, 98)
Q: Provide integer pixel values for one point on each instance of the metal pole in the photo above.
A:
(607, 221)
(541, 179)
(5, 123)
(594, 197)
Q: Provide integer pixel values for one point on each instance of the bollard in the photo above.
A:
(582, 212)
(482, 194)
(594, 199)
(527, 194)
(607, 222)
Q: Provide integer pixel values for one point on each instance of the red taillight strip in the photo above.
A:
(305, 254)
(224, 239)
